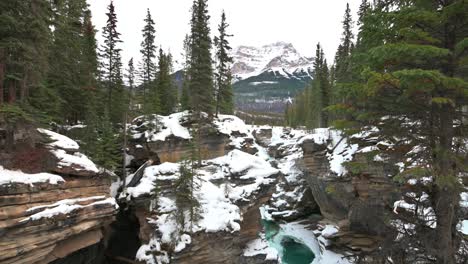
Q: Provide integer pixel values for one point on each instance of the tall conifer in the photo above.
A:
(110, 54)
(200, 70)
(224, 95)
(148, 53)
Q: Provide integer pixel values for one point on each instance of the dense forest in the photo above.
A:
(53, 71)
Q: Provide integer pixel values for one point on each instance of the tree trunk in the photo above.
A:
(2, 73)
(23, 85)
(446, 196)
(125, 143)
(217, 101)
(445, 200)
(11, 91)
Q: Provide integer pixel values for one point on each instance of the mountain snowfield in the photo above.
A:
(279, 57)
(267, 77)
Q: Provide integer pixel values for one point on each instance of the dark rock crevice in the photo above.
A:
(124, 240)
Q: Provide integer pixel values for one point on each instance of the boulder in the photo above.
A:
(263, 136)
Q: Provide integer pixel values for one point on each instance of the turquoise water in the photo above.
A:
(290, 250)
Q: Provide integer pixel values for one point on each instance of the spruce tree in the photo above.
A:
(200, 70)
(310, 107)
(111, 62)
(185, 95)
(224, 96)
(148, 53)
(165, 84)
(344, 49)
(71, 68)
(131, 83)
(412, 95)
(24, 46)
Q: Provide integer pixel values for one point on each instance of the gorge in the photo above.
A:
(266, 194)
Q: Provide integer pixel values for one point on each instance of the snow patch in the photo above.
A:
(60, 141)
(8, 177)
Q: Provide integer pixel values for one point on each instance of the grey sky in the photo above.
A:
(253, 22)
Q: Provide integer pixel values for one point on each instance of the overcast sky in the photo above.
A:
(252, 22)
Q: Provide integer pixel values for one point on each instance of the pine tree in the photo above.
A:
(107, 153)
(148, 53)
(164, 82)
(200, 70)
(184, 188)
(363, 9)
(412, 95)
(185, 95)
(111, 62)
(344, 49)
(24, 42)
(310, 107)
(131, 83)
(224, 96)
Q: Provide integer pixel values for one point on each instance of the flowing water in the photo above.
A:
(290, 249)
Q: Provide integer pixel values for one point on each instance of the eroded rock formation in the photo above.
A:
(53, 200)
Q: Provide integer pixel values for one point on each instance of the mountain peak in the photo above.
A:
(251, 61)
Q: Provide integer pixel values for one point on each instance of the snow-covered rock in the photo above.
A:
(53, 199)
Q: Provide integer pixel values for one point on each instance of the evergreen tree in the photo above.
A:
(363, 9)
(131, 83)
(344, 49)
(224, 96)
(185, 188)
(164, 82)
(107, 150)
(310, 107)
(24, 42)
(412, 95)
(148, 53)
(111, 62)
(200, 70)
(185, 95)
(69, 63)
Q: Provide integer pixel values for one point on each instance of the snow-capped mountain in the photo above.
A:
(266, 77)
(280, 57)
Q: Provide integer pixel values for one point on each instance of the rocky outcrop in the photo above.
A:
(53, 200)
(168, 139)
(263, 136)
(358, 201)
(224, 247)
(333, 195)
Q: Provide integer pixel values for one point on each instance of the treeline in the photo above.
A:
(53, 71)
(403, 83)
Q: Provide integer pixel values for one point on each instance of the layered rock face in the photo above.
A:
(167, 139)
(53, 200)
(359, 202)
